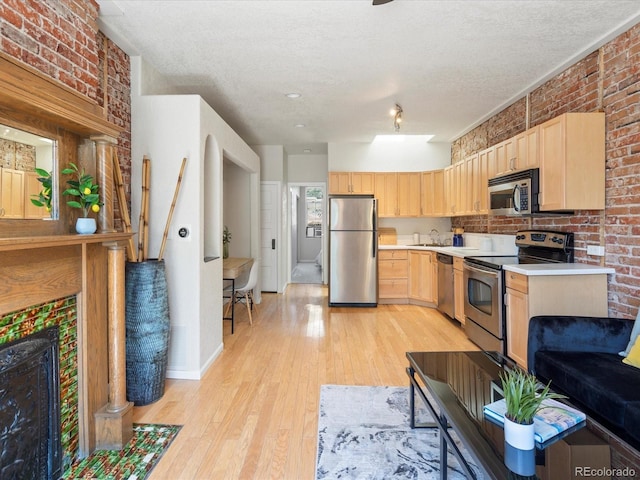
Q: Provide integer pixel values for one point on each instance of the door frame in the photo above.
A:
(325, 227)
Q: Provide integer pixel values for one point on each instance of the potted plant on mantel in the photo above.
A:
(523, 396)
(87, 197)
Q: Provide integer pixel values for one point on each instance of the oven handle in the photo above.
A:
(483, 270)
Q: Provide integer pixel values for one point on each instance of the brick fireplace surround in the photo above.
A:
(42, 263)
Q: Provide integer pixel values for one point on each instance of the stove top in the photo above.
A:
(534, 246)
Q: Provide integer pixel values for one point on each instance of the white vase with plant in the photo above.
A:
(523, 395)
(86, 196)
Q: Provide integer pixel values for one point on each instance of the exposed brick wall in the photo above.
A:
(60, 38)
(606, 80)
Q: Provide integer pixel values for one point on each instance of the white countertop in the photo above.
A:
(523, 269)
(558, 269)
(453, 251)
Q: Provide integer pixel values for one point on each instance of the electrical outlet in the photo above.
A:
(595, 250)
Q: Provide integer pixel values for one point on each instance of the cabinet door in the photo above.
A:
(527, 149)
(409, 194)
(517, 326)
(433, 194)
(386, 191)
(480, 185)
(491, 161)
(421, 276)
(11, 193)
(339, 183)
(449, 193)
(552, 164)
(362, 183)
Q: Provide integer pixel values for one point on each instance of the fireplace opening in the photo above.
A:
(30, 438)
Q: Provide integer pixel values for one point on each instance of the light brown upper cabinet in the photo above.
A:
(572, 162)
(398, 194)
(527, 151)
(505, 156)
(432, 193)
(11, 193)
(478, 173)
(351, 183)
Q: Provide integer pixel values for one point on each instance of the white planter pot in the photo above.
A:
(518, 435)
(86, 225)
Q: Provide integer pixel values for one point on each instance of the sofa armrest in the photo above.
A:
(576, 334)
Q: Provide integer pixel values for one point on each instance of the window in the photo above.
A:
(314, 202)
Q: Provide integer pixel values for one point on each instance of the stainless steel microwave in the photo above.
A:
(515, 194)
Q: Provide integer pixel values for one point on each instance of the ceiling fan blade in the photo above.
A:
(381, 2)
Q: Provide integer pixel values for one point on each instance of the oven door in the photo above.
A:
(483, 298)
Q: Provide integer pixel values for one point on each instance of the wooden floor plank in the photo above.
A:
(254, 415)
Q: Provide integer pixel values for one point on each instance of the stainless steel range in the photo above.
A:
(484, 307)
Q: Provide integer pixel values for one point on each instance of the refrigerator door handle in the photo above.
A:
(375, 244)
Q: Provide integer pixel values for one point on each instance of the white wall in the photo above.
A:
(307, 168)
(168, 128)
(410, 156)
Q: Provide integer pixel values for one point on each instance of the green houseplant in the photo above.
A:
(85, 193)
(226, 240)
(523, 395)
(43, 198)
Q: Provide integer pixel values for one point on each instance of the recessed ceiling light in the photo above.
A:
(299, 125)
(307, 150)
(402, 138)
(292, 95)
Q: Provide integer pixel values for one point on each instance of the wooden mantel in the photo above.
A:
(37, 270)
(42, 261)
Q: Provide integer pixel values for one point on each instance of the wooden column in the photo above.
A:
(114, 422)
(104, 174)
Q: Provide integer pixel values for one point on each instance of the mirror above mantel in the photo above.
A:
(24, 158)
(79, 131)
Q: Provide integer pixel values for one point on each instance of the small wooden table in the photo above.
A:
(234, 269)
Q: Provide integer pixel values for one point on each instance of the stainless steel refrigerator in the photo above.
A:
(353, 251)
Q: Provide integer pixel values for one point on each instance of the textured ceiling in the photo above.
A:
(450, 64)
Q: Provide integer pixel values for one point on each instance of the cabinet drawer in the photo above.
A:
(392, 254)
(517, 282)
(393, 269)
(397, 288)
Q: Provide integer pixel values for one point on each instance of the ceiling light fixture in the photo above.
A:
(292, 95)
(299, 125)
(381, 2)
(396, 113)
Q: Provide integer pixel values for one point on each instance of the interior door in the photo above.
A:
(270, 244)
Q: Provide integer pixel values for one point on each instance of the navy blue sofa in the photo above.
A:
(580, 357)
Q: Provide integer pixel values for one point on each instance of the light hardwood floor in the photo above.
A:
(254, 414)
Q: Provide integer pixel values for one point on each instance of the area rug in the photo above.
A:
(134, 462)
(364, 433)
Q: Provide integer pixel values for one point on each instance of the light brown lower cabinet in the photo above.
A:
(393, 276)
(423, 275)
(459, 291)
(528, 296)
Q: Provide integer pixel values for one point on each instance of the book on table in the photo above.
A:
(552, 419)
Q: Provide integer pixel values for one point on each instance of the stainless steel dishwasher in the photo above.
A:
(445, 284)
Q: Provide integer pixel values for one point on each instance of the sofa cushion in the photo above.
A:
(599, 381)
(633, 358)
(635, 333)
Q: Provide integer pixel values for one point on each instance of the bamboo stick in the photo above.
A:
(124, 209)
(173, 205)
(143, 204)
(147, 200)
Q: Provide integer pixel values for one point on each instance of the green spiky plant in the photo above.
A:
(523, 395)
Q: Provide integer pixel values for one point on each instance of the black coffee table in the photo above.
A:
(454, 387)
